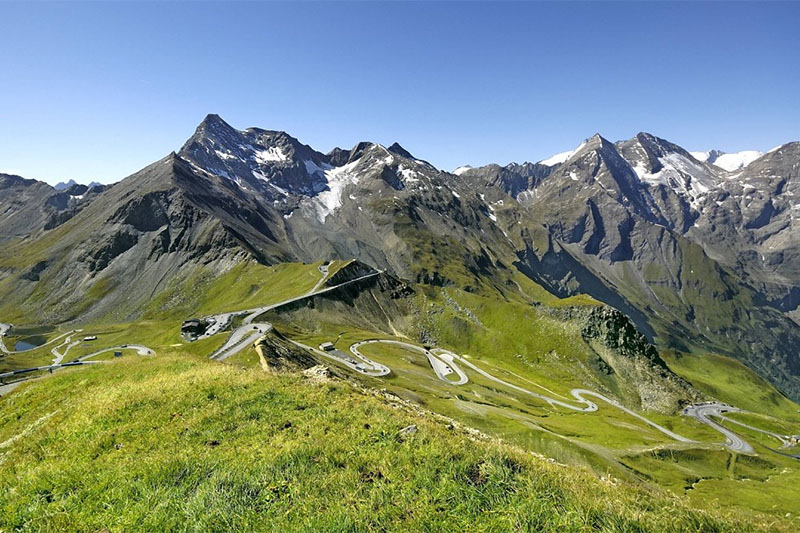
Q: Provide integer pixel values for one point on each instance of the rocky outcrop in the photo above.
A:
(351, 271)
(276, 354)
(615, 331)
(632, 364)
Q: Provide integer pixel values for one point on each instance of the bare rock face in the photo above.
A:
(614, 330)
(628, 353)
(633, 369)
(318, 373)
(702, 259)
(28, 207)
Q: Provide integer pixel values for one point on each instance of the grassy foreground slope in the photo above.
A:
(176, 443)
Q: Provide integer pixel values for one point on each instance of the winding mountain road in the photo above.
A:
(68, 344)
(441, 368)
(450, 358)
(323, 269)
(785, 439)
(5, 387)
(363, 365)
(703, 413)
(4, 328)
(447, 365)
(240, 339)
(250, 330)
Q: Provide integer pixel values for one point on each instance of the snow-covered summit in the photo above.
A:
(729, 162)
(561, 157)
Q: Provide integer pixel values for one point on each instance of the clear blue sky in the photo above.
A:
(97, 91)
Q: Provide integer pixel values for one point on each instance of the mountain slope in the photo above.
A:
(178, 443)
(29, 206)
(700, 258)
(673, 242)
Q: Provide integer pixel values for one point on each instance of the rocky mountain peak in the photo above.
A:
(10, 180)
(272, 163)
(357, 152)
(395, 148)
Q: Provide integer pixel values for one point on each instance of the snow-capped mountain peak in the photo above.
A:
(561, 157)
(730, 162)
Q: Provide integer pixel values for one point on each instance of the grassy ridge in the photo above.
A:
(175, 443)
(730, 381)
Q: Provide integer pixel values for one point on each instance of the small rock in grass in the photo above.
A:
(407, 431)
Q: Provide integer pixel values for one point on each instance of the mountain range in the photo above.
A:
(700, 250)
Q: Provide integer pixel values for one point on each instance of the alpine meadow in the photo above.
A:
(252, 333)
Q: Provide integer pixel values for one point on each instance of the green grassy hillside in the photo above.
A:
(177, 443)
(522, 334)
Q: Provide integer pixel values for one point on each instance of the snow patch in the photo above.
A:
(280, 190)
(561, 157)
(737, 161)
(461, 170)
(338, 178)
(270, 155)
(407, 175)
(225, 155)
(681, 174)
(776, 148)
(313, 168)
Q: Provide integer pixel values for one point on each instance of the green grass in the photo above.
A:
(530, 347)
(244, 286)
(176, 443)
(730, 381)
(506, 335)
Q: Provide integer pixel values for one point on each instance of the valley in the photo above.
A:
(482, 390)
(592, 309)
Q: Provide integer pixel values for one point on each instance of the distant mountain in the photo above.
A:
(729, 162)
(29, 206)
(61, 186)
(700, 257)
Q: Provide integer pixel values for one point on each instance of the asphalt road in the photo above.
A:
(6, 387)
(22, 373)
(441, 368)
(220, 322)
(5, 327)
(239, 338)
(444, 365)
(68, 344)
(363, 365)
(785, 439)
(703, 411)
(323, 269)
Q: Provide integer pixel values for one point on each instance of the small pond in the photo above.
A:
(28, 344)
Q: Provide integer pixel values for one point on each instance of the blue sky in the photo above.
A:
(97, 91)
